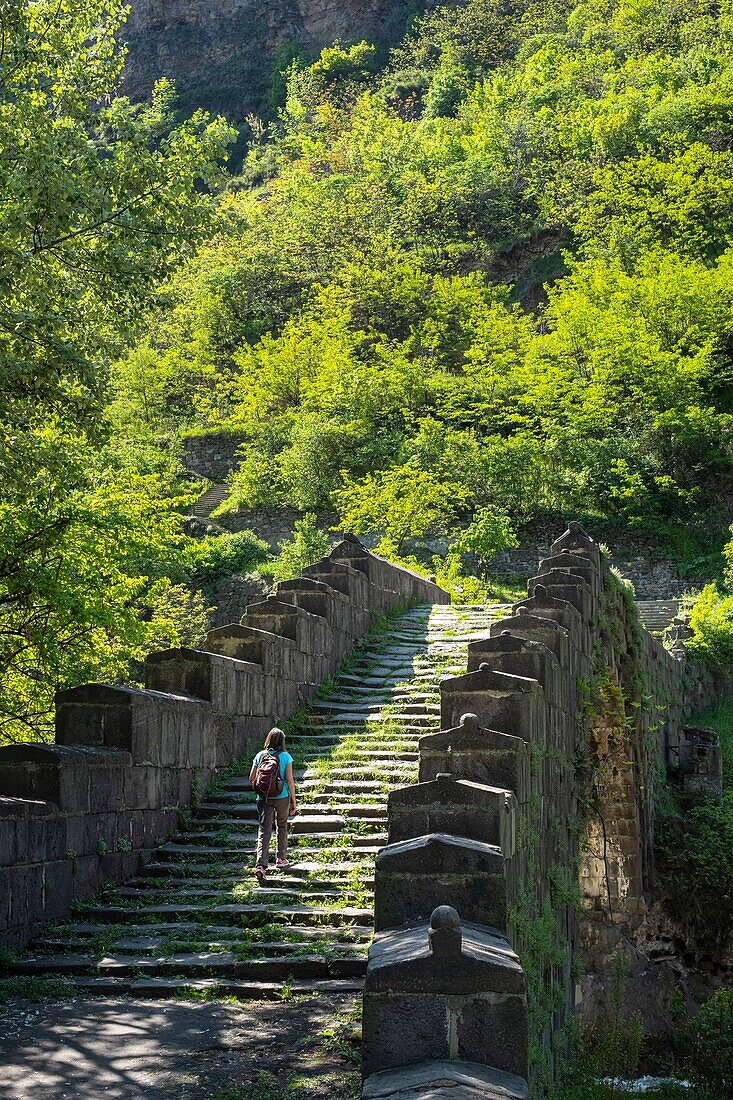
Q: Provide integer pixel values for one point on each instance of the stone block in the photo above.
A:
(349, 582)
(545, 606)
(150, 725)
(566, 586)
(311, 633)
(58, 773)
(8, 841)
(59, 888)
(229, 684)
(272, 652)
(458, 807)
(575, 562)
(533, 628)
(412, 877)
(7, 878)
(444, 1080)
(700, 760)
(510, 704)
(576, 539)
(516, 656)
(471, 751)
(319, 598)
(30, 831)
(432, 989)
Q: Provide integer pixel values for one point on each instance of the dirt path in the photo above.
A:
(121, 1049)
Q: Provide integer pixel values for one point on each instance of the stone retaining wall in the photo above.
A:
(213, 455)
(652, 580)
(540, 783)
(84, 811)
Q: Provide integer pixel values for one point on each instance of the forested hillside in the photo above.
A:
(372, 311)
(484, 283)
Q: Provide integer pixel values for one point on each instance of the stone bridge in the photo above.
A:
(520, 753)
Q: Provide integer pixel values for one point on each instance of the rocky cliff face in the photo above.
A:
(221, 53)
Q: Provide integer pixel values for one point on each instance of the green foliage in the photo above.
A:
(710, 1050)
(489, 532)
(463, 589)
(711, 623)
(719, 716)
(100, 198)
(693, 841)
(694, 845)
(307, 546)
(88, 541)
(211, 559)
(403, 502)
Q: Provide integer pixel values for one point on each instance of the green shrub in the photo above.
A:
(710, 1043)
(489, 532)
(694, 846)
(308, 544)
(462, 588)
(711, 622)
(218, 556)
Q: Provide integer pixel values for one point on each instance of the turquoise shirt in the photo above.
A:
(285, 759)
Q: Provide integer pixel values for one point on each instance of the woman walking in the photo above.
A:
(271, 778)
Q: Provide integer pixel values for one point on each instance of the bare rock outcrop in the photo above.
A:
(222, 54)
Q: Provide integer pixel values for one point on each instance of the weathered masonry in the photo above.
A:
(83, 811)
(534, 806)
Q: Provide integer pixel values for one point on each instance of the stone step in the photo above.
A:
(366, 711)
(211, 851)
(203, 964)
(356, 785)
(197, 920)
(210, 500)
(208, 870)
(327, 733)
(229, 913)
(247, 837)
(418, 719)
(163, 988)
(385, 766)
(162, 891)
(375, 757)
(309, 818)
(319, 881)
(351, 804)
(146, 937)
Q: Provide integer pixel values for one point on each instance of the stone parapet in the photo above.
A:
(444, 990)
(545, 762)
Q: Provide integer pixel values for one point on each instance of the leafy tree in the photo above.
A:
(98, 198)
(307, 546)
(711, 623)
(209, 560)
(710, 1037)
(98, 195)
(489, 532)
(401, 503)
(87, 547)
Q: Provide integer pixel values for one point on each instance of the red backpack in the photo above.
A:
(268, 781)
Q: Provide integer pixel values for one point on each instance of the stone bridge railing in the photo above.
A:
(83, 811)
(528, 838)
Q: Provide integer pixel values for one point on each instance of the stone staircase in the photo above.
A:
(656, 615)
(210, 501)
(196, 921)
